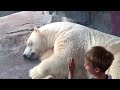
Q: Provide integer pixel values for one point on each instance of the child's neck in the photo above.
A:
(100, 76)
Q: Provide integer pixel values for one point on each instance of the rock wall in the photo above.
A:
(100, 20)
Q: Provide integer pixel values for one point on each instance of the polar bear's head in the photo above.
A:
(36, 45)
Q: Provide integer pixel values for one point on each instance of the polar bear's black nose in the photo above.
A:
(25, 56)
(32, 54)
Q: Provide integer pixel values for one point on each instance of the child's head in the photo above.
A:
(98, 59)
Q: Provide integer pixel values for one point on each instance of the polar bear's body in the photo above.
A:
(69, 40)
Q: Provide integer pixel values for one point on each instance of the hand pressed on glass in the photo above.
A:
(71, 69)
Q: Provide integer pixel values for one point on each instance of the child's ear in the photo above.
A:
(97, 69)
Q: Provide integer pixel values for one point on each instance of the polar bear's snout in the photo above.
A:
(28, 54)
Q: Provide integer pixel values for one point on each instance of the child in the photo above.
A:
(97, 61)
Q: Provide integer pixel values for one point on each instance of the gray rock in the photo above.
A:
(80, 17)
(100, 20)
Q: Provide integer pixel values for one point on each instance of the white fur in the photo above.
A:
(70, 40)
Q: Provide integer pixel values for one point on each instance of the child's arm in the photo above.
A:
(71, 69)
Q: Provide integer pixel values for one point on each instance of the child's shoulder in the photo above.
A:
(108, 76)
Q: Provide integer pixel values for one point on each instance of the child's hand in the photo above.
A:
(71, 68)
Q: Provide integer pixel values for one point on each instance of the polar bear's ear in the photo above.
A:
(36, 29)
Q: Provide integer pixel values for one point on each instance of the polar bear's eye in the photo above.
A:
(29, 44)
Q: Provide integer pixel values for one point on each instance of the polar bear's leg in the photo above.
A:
(115, 67)
(49, 77)
(39, 72)
(34, 71)
(50, 66)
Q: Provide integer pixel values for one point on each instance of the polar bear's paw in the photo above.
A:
(49, 77)
(34, 73)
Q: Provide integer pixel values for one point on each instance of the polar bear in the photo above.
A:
(56, 43)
